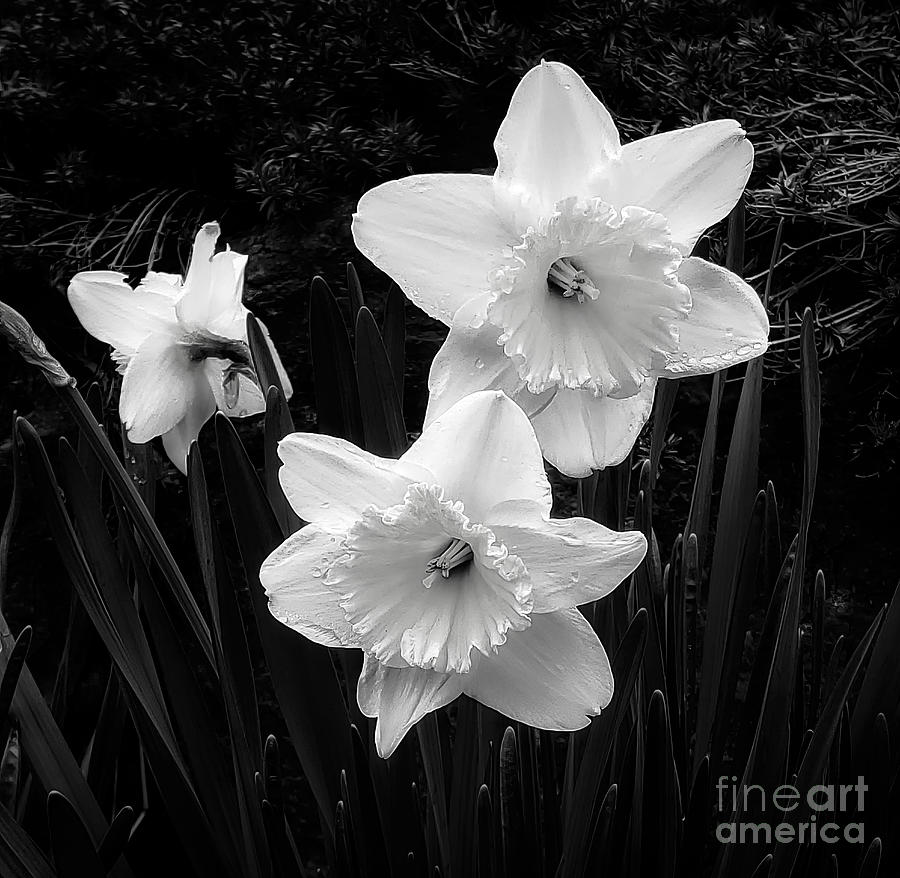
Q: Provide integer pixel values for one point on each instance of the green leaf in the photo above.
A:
(74, 854)
(666, 391)
(20, 857)
(334, 372)
(278, 424)
(735, 508)
(302, 674)
(512, 820)
(382, 414)
(14, 664)
(393, 331)
(661, 797)
(354, 290)
(625, 667)
(815, 759)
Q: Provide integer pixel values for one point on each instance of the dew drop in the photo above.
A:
(324, 504)
(316, 573)
(574, 576)
(729, 334)
(479, 363)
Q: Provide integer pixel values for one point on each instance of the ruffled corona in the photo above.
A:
(590, 298)
(418, 616)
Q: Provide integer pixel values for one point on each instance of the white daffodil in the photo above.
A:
(181, 346)
(565, 277)
(445, 568)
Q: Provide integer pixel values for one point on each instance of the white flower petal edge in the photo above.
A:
(445, 569)
(556, 135)
(555, 676)
(580, 432)
(727, 323)
(433, 234)
(182, 347)
(693, 176)
(600, 558)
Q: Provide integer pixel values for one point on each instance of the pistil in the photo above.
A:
(458, 552)
(568, 281)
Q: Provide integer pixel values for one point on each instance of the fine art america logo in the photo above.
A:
(791, 815)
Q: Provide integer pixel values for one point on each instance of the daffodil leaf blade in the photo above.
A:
(625, 667)
(661, 809)
(736, 506)
(19, 855)
(382, 412)
(354, 291)
(313, 708)
(74, 853)
(393, 331)
(815, 758)
(334, 371)
(278, 424)
(49, 755)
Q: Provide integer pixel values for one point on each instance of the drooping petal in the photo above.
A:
(294, 580)
(116, 314)
(553, 675)
(727, 323)
(403, 610)
(555, 137)
(158, 388)
(481, 451)
(693, 176)
(201, 406)
(579, 432)
(330, 481)
(244, 397)
(193, 306)
(471, 360)
(400, 697)
(436, 235)
(570, 561)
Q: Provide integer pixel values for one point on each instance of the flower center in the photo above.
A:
(458, 552)
(568, 281)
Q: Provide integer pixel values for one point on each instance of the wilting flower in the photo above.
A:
(445, 568)
(565, 277)
(181, 345)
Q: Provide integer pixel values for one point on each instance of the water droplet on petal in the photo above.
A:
(479, 363)
(729, 334)
(316, 573)
(574, 576)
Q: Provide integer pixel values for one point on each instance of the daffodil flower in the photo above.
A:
(181, 345)
(566, 277)
(445, 569)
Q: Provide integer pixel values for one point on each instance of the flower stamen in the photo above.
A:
(458, 552)
(566, 280)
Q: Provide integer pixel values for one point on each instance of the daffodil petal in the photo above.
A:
(294, 580)
(193, 306)
(202, 405)
(158, 388)
(555, 137)
(471, 360)
(400, 697)
(570, 561)
(116, 314)
(483, 450)
(727, 323)
(330, 481)
(168, 285)
(580, 432)
(436, 235)
(693, 176)
(554, 675)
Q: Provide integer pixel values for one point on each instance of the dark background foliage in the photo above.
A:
(123, 124)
